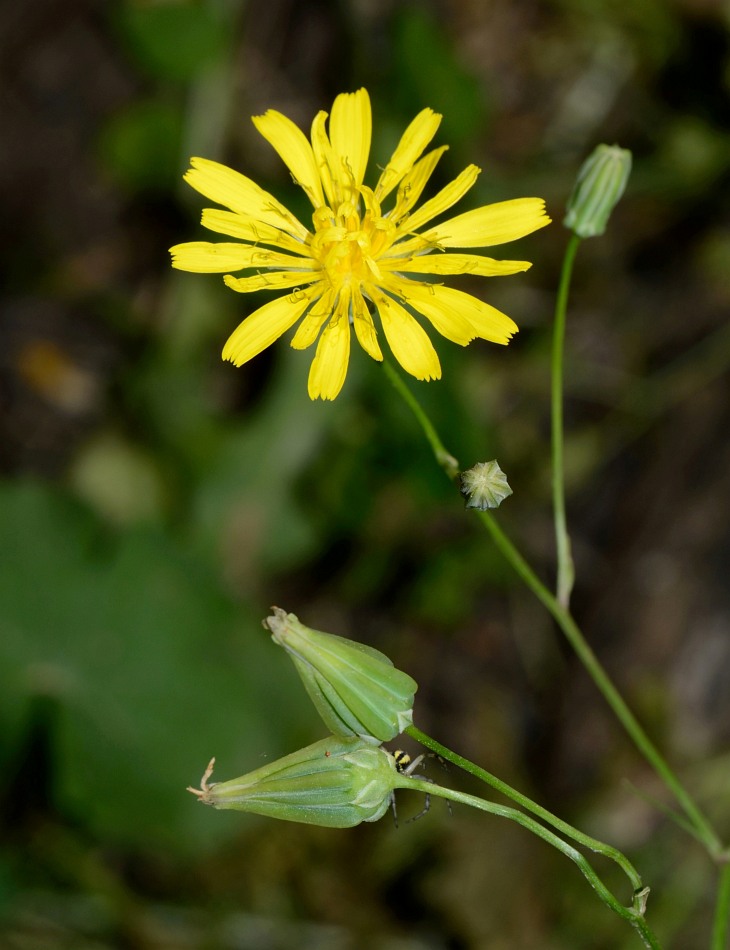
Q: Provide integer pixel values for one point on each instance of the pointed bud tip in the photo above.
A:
(203, 793)
(277, 623)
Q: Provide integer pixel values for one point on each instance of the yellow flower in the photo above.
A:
(355, 256)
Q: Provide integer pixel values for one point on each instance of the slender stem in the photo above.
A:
(702, 828)
(632, 914)
(703, 831)
(524, 802)
(566, 572)
(721, 926)
(444, 458)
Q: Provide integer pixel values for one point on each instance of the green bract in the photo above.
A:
(336, 783)
(356, 689)
(600, 183)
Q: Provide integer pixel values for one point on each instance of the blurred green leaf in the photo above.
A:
(152, 668)
(174, 40)
(140, 147)
(119, 479)
(429, 66)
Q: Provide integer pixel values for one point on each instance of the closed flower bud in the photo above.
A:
(336, 783)
(601, 182)
(484, 486)
(356, 689)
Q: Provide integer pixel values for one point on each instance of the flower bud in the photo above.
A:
(356, 689)
(600, 183)
(336, 783)
(484, 486)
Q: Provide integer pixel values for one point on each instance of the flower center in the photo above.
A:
(346, 245)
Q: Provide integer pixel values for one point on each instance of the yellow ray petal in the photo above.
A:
(488, 323)
(295, 151)
(275, 280)
(324, 157)
(233, 190)
(413, 141)
(372, 205)
(449, 321)
(249, 229)
(492, 224)
(367, 335)
(309, 328)
(406, 337)
(441, 202)
(329, 366)
(351, 126)
(410, 189)
(201, 257)
(263, 326)
(449, 263)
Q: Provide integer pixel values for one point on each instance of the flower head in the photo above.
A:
(356, 689)
(356, 258)
(336, 783)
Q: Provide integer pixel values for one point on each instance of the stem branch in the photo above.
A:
(634, 915)
(703, 831)
(599, 847)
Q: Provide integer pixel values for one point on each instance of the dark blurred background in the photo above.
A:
(155, 501)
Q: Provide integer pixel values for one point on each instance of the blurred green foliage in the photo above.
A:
(173, 41)
(155, 501)
(141, 146)
(144, 660)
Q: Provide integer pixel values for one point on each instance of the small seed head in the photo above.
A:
(484, 486)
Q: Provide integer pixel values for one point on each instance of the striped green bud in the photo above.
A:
(600, 183)
(356, 689)
(336, 783)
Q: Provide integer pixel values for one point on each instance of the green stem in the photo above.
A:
(702, 829)
(634, 915)
(444, 458)
(721, 926)
(524, 802)
(566, 572)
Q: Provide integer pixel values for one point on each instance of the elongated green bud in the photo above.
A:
(336, 783)
(600, 183)
(356, 689)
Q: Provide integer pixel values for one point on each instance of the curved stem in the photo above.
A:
(703, 831)
(524, 802)
(634, 915)
(444, 458)
(566, 572)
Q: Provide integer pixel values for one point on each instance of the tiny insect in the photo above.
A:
(407, 766)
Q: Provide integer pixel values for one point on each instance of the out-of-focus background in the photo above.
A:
(155, 501)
